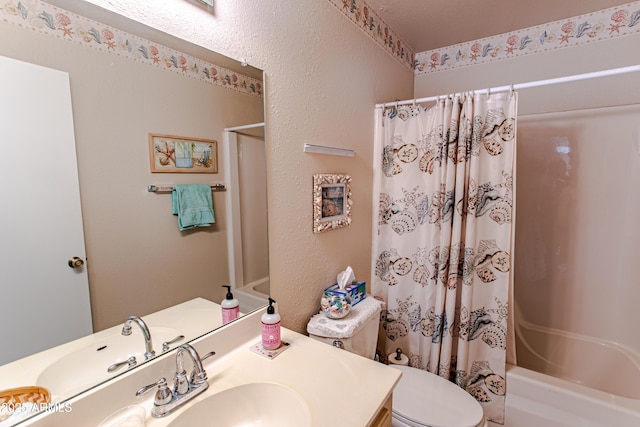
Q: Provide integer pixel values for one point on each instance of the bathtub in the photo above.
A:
(253, 295)
(568, 380)
(538, 400)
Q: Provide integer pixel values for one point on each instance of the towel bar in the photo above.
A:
(158, 188)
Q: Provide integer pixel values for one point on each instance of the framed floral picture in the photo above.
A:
(331, 201)
(176, 154)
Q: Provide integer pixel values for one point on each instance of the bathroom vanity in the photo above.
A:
(309, 383)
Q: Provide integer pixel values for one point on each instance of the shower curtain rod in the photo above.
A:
(547, 82)
(251, 126)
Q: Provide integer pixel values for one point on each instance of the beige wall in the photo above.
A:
(138, 261)
(324, 76)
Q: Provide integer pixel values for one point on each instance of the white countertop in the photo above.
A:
(334, 383)
(339, 387)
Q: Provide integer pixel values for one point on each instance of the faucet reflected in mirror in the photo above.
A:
(137, 262)
(148, 346)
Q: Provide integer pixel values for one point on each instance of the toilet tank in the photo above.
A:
(357, 332)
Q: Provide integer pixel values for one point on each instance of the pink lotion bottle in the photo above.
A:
(271, 328)
(230, 307)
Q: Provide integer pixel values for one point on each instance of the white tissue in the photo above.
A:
(345, 278)
(20, 412)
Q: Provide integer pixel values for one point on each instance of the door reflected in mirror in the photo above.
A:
(126, 81)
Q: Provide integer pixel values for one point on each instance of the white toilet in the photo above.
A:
(420, 399)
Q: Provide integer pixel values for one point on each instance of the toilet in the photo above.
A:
(420, 399)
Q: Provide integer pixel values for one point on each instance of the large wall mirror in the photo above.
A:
(127, 81)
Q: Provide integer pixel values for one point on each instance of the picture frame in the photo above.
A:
(182, 154)
(331, 201)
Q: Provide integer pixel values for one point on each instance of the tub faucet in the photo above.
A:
(148, 346)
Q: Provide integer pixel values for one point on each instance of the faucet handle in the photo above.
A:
(166, 346)
(200, 377)
(208, 355)
(163, 394)
(130, 361)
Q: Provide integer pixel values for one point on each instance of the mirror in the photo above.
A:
(127, 81)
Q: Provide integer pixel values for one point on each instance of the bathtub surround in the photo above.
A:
(572, 221)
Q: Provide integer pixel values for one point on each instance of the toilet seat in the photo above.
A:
(425, 399)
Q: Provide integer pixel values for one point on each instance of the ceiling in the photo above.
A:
(431, 24)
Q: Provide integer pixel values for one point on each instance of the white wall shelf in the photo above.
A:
(321, 149)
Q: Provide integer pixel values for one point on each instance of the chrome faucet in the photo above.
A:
(168, 400)
(148, 346)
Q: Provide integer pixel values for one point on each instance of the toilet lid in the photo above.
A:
(428, 399)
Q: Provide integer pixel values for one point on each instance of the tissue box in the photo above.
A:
(357, 291)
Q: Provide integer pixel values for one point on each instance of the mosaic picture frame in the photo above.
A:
(331, 201)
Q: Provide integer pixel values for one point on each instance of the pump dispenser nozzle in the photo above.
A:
(229, 294)
(271, 309)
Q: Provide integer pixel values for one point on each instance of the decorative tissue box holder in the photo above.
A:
(357, 291)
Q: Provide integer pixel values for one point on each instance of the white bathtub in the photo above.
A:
(570, 380)
(252, 296)
(539, 400)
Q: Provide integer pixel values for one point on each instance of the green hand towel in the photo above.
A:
(193, 205)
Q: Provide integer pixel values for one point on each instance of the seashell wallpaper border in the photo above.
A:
(59, 23)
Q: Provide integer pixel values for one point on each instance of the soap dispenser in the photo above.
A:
(230, 307)
(271, 328)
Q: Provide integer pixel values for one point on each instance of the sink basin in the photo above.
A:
(87, 366)
(253, 404)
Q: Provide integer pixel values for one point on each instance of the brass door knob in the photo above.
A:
(75, 262)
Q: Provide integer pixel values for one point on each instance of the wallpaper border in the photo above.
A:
(604, 24)
(59, 23)
(363, 16)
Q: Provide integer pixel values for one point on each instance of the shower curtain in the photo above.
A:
(443, 245)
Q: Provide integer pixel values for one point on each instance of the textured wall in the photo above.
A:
(323, 78)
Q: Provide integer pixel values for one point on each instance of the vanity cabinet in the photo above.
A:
(383, 417)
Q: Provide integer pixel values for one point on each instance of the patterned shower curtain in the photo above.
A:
(443, 250)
